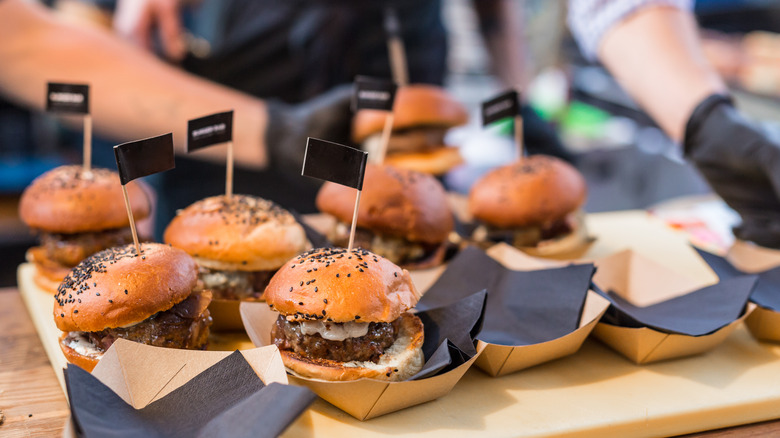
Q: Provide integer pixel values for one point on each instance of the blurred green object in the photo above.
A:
(584, 120)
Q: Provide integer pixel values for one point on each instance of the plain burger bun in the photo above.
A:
(394, 202)
(240, 233)
(534, 190)
(116, 288)
(334, 285)
(435, 162)
(69, 200)
(401, 361)
(417, 105)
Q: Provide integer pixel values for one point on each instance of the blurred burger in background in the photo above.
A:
(75, 214)
(238, 243)
(533, 204)
(422, 116)
(153, 299)
(403, 215)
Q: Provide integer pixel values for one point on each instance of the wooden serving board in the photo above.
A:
(595, 392)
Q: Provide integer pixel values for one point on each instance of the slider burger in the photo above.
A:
(238, 242)
(152, 299)
(422, 116)
(403, 215)
(533, 204)
(343, 316)
(76, 214)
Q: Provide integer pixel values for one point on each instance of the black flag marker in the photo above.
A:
(209, 130)
(339, 164)
(144, 157)
(67, 98)
(501, 107)
(373, 93)
(73, 99)
(334, 162)
(141, 158)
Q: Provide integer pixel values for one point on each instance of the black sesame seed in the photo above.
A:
(300, 303)
(97, 294)
(325, 300)
(111, 301)
(357, 316)
(125, 291)
(323, 312)
(315, 289)
(291, 289)
(395, 274)
(75, 311)
(62, 315)
(349, 275)
(337, 275)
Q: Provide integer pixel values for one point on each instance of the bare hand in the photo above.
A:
(137, 20)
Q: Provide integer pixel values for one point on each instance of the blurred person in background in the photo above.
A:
(284, 67)
(653, 49)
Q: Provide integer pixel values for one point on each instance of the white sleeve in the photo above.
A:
(589, 20)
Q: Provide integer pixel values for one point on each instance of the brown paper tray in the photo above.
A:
(592, 393)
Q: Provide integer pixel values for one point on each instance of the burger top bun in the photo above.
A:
(68, 200)
(115, 287)
(396, 202)
(531, 191)
(242, 233)
(415, 105)
(334, 285)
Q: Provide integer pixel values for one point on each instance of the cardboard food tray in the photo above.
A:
(643, 282)
(594, 392)
(763, 323)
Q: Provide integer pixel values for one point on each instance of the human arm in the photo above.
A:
(500, 22)
(133, 95)
(655, 53)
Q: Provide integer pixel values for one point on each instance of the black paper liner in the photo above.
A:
(523, 307)
(698, 313)
(227, 399)
(450, 334)
(767, 291)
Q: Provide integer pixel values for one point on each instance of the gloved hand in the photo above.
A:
(741, 162)
(326, 117)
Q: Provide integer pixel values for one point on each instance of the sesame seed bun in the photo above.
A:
(435, 162)
(355, 286)
(534, 190)
(115, 287)
(241, 233)
(415, 105)
(399, 362)
(395, 202)
(67, 200)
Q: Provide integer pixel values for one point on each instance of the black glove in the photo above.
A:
(539, 137)
(742, 164)
(327, 117)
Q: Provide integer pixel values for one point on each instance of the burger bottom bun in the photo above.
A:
(86, 362)
(405, 356)
(434, 259)
(568, 246)
(48, 273)
(44, 282)
(436, 162)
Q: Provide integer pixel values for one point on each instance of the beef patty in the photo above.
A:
(381, 335)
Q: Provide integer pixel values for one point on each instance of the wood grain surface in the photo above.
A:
(30, 396)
